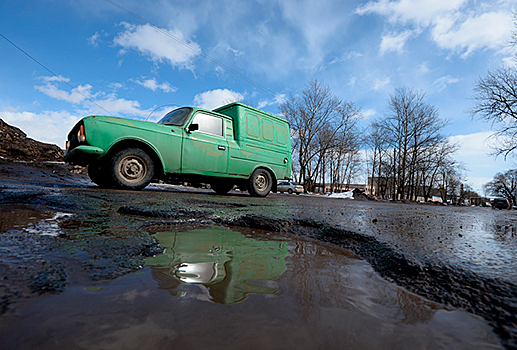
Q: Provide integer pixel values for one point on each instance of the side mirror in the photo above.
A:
(193, 127)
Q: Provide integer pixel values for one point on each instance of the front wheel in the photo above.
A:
(99, 174)
(260, 183)
(131, 169)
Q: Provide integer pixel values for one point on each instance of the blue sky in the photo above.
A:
(106, 60)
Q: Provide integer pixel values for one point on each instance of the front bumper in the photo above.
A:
(82, 155)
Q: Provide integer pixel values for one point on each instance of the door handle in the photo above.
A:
(221, 148)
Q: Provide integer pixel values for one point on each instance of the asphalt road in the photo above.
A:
(463, 257)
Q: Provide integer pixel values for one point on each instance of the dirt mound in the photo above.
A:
(14, 144)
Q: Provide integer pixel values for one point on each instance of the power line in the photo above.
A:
(175, 38)
(54, 74)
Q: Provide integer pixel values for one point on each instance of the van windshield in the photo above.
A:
(176, 117)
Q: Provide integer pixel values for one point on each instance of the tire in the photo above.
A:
(99, 175)
(260, 183)
(131, 169)
(290, 191)
(221, 187)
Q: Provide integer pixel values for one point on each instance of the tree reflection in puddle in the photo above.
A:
(225, 262)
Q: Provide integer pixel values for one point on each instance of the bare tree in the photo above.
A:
(407, 149)
(495, 99)
(376, 142)
(503, 184)
(317, 119)
(496, 102)
(435, 164)
(411, 126)
(450, 179)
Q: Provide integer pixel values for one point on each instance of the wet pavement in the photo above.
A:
(216, 288)
(330, 272)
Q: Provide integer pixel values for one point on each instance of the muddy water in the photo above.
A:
(38, 222)
(11, 219)
(218, 289)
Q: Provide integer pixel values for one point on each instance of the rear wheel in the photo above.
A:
(221, 187)
(131, 169)
(290, 191)
(260, 183)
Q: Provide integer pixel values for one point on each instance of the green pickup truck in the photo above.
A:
(232, 145)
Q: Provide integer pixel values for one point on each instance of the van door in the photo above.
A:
(205, 149)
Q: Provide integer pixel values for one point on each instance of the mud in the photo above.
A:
(58, 231)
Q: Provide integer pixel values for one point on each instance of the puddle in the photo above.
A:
(39, 222)
(50, 226)
(219, 289)
(226, 263)
(18, 219)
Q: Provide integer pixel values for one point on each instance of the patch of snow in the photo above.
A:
(347, 195)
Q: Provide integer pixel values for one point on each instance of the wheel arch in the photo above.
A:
(146, 147)
(271, 172)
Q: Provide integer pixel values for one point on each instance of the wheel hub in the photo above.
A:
(132, 169)
(261, 182)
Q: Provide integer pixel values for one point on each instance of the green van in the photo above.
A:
(232, 145)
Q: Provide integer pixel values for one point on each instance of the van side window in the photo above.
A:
(209, 124)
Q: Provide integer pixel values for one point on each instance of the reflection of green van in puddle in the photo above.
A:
(222, 260)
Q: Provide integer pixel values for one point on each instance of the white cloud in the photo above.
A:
(474, 152)
(59, 78)
(510, 62)
(424, 68)
(48, 126)
(115, 86)
(77, 95)
(216, 98)
(159, 45)
(380, 84)
(227, 48)
(94, 39)
(487, 30)
(422, 13)
(117, 106)
(348, 56)
(472, 144)
(153, 85)
(442, 82)
(98, 103)
(394, 42)
(278, 99)
(456, 25)
(352, 81)
(317, 22)
(368, 113)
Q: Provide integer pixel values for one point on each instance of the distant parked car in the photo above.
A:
(500, 203)
(289, 187)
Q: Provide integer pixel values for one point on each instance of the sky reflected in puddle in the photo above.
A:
(218, 289)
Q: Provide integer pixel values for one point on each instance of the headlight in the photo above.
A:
(81, 136)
